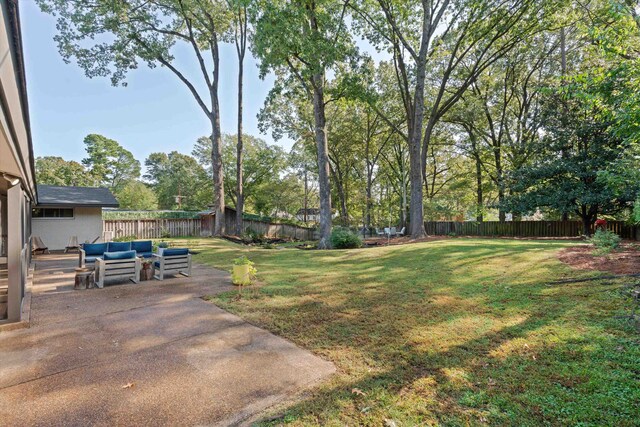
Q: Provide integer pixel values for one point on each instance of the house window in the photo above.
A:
(53, 213)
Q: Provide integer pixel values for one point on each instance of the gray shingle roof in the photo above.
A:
(53, 195)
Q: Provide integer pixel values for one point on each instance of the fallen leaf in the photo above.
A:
(358, 392)
(365, 409)
(128, 385)
(389, 423)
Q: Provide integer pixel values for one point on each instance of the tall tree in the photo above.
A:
(452, 43)
(53, 170)
(178, 181)
(109, 38)
(137, 195)
(301, 41)
(110, 164)
(240, 36)
(570, 182)
(263, 164)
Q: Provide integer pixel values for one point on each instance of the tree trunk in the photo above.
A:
(306, 195)
(416, 166)
(322, 148)
(239, 166)
(497, 152)
(586, 224)
(369, 204)
(588, 215)
(479, 195)
(218, 177)
(563, 70)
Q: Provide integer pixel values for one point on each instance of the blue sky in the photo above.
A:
(155, 112)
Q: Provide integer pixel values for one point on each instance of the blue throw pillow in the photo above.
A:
(119, 255)
(142, 246)
(94, 248)
(119, 246)
(175, 252)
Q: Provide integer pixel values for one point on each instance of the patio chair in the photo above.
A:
(387, 231)
(402, 231)
(37, 245)
(172, 261)
(379, 233)
(393, 232)
(117, 265)
(72, 245)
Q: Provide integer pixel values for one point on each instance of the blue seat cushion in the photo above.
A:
(145, 254)
(119, 255)
(94, 248)
(89, 259)
(175, 251)
(157, 264)
(119, 246)
(142, 246)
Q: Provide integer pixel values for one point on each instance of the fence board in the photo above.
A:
(162, 227)
(523, 228)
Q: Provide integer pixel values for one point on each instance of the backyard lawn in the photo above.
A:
(452, 332)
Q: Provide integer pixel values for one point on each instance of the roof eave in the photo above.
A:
(75, 205)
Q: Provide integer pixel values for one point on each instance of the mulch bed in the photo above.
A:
(266, 240)
(626, 260)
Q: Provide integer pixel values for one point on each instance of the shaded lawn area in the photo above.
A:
(453, 332)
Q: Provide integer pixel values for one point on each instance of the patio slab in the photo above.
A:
(185, 360)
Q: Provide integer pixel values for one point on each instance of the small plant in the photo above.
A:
(244, 271)
(343, 238)
(163, 244)
(451, 234)
(164, 233)
(268, 246)
(605, 241)
(124, 238)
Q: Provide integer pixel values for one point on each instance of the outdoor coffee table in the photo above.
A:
(84, 278)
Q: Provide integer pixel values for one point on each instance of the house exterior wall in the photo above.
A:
(17, 176)
(86, 224)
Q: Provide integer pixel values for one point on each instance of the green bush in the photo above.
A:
(605, 241)
(252, 236)
(343, 238)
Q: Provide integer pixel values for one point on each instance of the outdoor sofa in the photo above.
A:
(90, 252)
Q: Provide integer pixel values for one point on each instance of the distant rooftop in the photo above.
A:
(53, 195)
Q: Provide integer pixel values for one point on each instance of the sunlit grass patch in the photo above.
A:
(449, 332)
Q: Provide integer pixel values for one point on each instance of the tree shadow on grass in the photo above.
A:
(426, 332)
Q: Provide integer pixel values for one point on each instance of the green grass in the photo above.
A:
(451, 332)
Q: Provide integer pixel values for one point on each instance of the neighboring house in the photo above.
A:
(312, 215)
(63, 212)
(17, 172)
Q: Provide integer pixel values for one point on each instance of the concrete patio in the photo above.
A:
(152, 353)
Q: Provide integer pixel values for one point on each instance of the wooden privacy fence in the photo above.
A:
(152, 228)
(159, 228)
(268, 229)
(522, 228)
(280, 230)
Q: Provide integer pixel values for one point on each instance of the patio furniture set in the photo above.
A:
(390, 232)
(123, 260)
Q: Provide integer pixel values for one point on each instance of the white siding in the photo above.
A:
(55, 232)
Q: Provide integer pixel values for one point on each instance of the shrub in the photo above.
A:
(605, 241)
(252, 236)
(343, 238)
